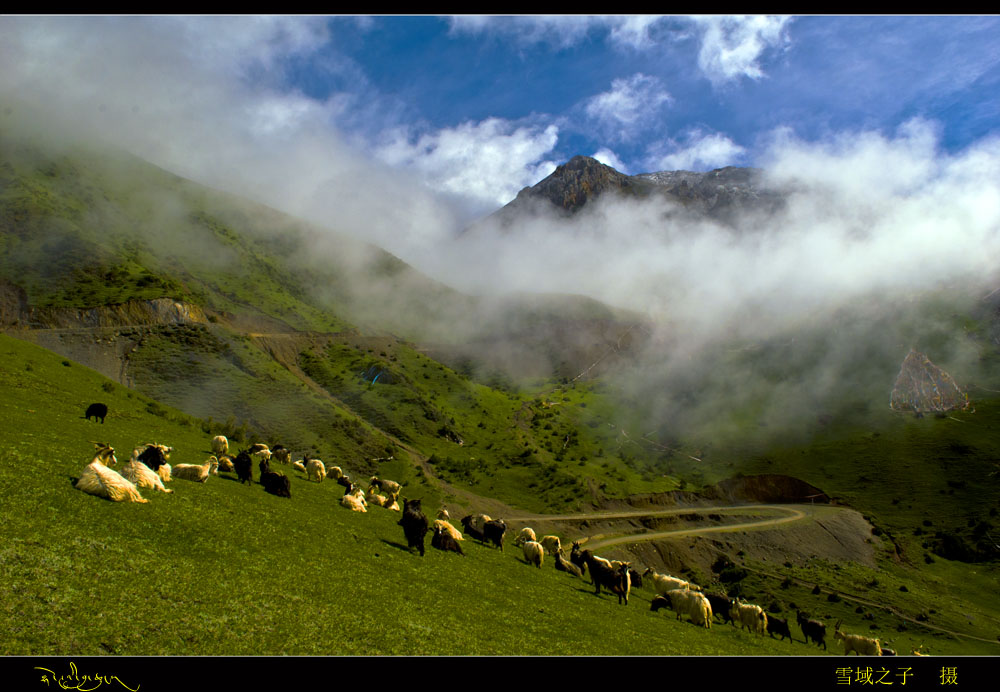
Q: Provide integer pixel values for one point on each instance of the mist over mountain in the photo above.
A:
(794, 290)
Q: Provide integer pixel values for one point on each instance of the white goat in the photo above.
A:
(448, 528)
(97, 479)
(525, 534)
(391, 487)
(862, 646)
(354, 500)
(226, 463)
(196, 472)
(533, 553)
(552, 544)
(260, 450)
(315, 471)
(144, 477)
(443, 514)
(693, 604)
(750, 616)
(389, 502)
(220, 446)
(334, 472)
(664, 582)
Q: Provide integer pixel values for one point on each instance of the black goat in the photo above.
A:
(812, 628)
(153, 457)
(776, 625)
(721, 605)
(243, 464)
(635, 578)
(442, 540)
(276, 483)
(97, 411)
(265, 467)
(414, 524)
(576, 557)
(472, 531)
(614, 580)
(494, 531)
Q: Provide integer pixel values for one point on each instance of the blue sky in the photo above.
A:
(667, 90)
(651, 93)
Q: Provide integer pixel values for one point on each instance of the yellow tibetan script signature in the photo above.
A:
(83, 683)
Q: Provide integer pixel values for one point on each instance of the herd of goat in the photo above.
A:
(148, 468)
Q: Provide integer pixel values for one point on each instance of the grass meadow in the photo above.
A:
(225, 569)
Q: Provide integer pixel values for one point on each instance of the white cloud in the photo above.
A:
(609, 158)
(239, 43)
(175, 92)
(732, 45)
(882, 167)
(699, 151)
(633, 31)
(629, 104)
(488, 161)
(561, 31)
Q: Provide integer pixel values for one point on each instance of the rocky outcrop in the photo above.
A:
(922, 387)
(14, 308)
(15, 312)
(101, 337)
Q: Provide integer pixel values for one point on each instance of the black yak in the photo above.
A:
(414, 524)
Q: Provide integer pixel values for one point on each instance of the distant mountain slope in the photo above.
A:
(81, 227)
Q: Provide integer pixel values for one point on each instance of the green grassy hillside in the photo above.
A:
(81, 227)
(194, 572)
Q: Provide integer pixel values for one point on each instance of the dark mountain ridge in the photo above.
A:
(723, 195)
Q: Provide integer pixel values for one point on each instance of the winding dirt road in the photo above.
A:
(788, 513)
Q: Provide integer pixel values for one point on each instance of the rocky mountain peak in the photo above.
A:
(575, 182)
(723, 194)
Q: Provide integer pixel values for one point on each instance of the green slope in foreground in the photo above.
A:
(223, 568)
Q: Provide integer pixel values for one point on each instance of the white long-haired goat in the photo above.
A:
(97, 479)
